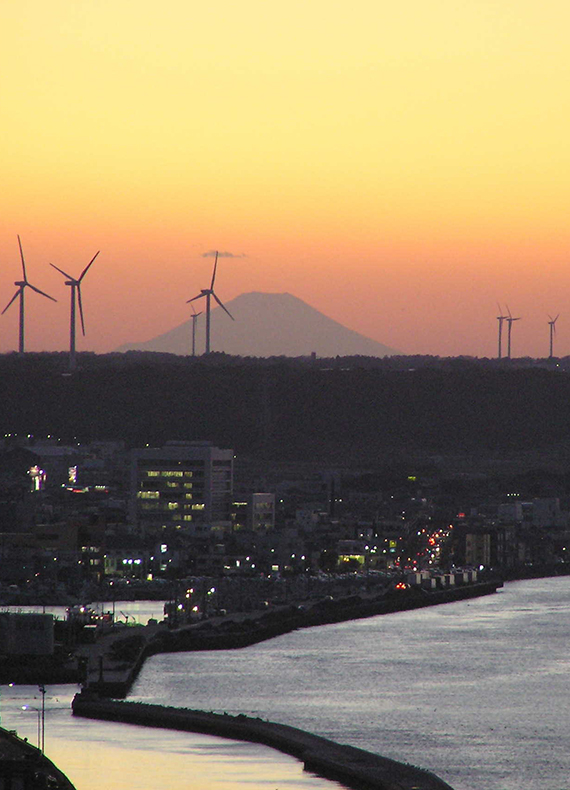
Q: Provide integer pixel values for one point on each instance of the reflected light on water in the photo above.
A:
(96, 755)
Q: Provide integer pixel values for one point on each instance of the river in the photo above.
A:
(477, 691)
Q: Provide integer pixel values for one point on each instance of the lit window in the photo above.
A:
(198, 507)
(187, 474)
(148, 495)
(187, 496)
(153, 474)
(173, 505)
(187, 518)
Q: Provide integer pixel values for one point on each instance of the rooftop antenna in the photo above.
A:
(75, 285)
(22, 285)
(552, 325)
(208, 293)
(194, 317)
(500, 318)
(510, 320)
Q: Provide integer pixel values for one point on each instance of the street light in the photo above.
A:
(41, 718)
(39, 712)
(42, 690)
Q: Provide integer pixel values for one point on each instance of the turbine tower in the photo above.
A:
(22, 285)
(75, 285)
(500, 318)
(208, 293)
(552, 325)
(194, 317)
(510, 320)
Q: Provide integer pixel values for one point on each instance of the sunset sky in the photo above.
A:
(402, 167)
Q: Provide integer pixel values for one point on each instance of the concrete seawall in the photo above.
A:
(352, 767)
(233, 635)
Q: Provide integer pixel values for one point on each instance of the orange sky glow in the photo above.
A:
(400, 167)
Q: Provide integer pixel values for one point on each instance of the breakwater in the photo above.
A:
(116, 671)
(355, 768)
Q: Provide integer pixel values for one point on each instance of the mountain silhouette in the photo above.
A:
(266, 325)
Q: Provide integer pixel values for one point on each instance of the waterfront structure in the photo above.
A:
(183, 485)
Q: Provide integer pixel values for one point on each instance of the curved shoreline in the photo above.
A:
(355, 768)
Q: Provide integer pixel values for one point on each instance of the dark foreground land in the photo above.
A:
(353, 767)
(24, 767)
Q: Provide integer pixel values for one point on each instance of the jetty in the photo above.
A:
(354, 768)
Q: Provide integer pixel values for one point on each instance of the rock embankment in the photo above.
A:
(351, 766)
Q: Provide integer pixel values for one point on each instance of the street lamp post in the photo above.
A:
(39, 712)
(42, 690)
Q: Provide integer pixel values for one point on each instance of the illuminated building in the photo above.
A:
(183, 485)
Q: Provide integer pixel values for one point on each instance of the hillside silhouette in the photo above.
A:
(342, 410)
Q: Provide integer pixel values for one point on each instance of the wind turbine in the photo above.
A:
(510, 320)
(208, 293)
(194, 317)
(552, 325)
(500, 319)
(22, 285)
(75, 285)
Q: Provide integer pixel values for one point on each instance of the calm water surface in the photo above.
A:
(477, 691)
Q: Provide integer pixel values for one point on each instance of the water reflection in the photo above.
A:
(97, 755)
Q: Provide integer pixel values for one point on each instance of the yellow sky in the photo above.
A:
(401, 167)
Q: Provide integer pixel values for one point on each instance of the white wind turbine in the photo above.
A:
(510, 320)
(194, 317)
(22, 285)
(208, 293)
(75, 285)
(500, 318)
(552, 325)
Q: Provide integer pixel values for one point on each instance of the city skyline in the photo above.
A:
(400, 169)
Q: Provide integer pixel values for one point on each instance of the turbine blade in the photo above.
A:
(222, 306)
(37, 290)
(214, 272)
(23, 261)
(194, 298)
(84, 272)
(80, 308)
(13, 299)
(65, 274)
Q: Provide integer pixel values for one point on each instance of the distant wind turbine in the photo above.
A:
(510, 320)
(500, 318)
(552, 325)
(22, 285)
(208, 293)
(194, 317)
(75, 285)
